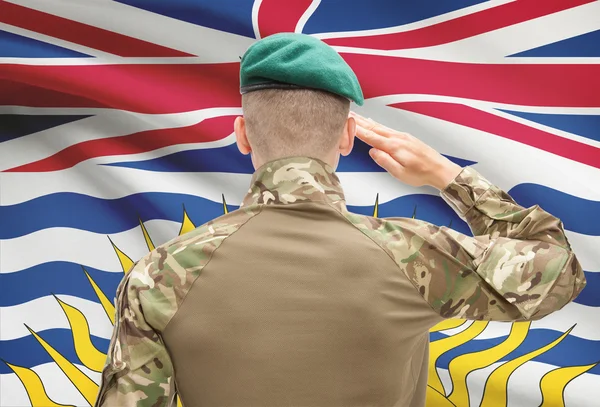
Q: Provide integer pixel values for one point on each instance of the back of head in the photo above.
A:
(294, 122)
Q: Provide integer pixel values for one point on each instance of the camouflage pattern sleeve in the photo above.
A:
(490, 211)
(518, 266)
(138, 370)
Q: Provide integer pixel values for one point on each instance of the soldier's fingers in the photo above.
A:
(372, 126)
(373, 139)
(377, 127)
(385, 161)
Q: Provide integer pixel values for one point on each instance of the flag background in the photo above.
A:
(116, 135)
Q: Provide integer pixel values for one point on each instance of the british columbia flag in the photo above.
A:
(116, 135)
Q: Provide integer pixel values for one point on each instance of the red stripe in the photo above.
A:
(176, 88)
(461, 27)
(82, 34)
(275, 16)
(532, 84)
(139, 88)
(477, 119)
(208, 130)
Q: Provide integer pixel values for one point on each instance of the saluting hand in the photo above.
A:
(404, 156)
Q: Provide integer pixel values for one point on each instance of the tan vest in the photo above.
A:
(299, 308)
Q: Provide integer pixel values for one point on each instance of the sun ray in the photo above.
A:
(82, 383)
(91, 357)
(448, 324)
(187, 225)
(436, 399)
(107, 304)
(126, 262)
(441, 346)
(414, 215)
(34, 387)
(225, 210)
(495, 391)
(376, 209)
(461, 366)
(149, 242)
(554, 382)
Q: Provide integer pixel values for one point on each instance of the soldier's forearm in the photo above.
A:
(488, 210)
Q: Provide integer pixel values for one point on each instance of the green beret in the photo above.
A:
(288, 60)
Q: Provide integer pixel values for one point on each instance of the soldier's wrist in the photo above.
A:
(446, 175)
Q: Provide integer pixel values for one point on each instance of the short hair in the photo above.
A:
(294, 122)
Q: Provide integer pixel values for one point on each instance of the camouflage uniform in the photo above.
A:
(342, 319)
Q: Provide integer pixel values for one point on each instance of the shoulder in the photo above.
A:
(388, 231)
(162, 278)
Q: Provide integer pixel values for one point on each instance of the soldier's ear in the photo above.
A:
(241, 137)
(347, 139)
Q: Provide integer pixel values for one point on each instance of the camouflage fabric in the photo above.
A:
(295, 179)
(518, 266)
(138, 370)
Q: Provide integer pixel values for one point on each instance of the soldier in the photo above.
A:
(292, 300)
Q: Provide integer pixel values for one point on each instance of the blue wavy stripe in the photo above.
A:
(590, 295)
(109, 216)
(116, 215)
(102, 215)
(234, 16)
(584, 45)
(584, 125)
(572, 350)
(57, 277)
(229, 159)
(17, 46)
(577, 214)
(334, 15)
(27, 351)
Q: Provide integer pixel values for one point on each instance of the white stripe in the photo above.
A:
(439, 55)
(82, 247)
(58, 387)
(524, 388)
(413, 97)
(55, 41)
(418, 24)
(255, 9)
(114, 60)
(115, 182)
(213, 45)
(105, 124)
(45, 313)
(307, 14)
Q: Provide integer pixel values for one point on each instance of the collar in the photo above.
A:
(295, 179)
